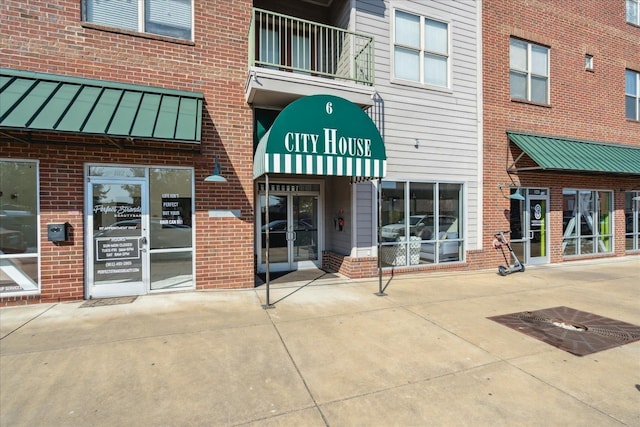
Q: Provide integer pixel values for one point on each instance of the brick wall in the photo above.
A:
(583, 104)
(49, 37)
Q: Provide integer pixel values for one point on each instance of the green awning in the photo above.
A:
(574, 155)
(322, 135)
(47, 102)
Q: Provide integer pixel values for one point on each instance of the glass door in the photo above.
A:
(304, 223)
(279, 233)
(537, 233)
(117, 217)
(293, 232)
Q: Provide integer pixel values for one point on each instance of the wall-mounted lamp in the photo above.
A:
(215, 176)
(515, 196)
(417, 143)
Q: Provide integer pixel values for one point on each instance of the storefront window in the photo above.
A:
(170, 227)
(632, 220)
(587, 222)
(421, 223)
(19, 232)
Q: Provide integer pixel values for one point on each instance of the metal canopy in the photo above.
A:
(47, 102)
(573, 155)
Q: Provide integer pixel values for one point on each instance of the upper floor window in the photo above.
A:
(632, 95)
(529, 71)
(172, 18)
(420, 49)
(633, 12)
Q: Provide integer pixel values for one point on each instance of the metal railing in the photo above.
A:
(285, 43)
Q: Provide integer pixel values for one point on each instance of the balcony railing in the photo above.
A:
(285, 43)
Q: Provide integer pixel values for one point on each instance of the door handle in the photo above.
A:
(143, 240)
(531, 234)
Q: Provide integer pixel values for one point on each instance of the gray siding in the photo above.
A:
(445, 121)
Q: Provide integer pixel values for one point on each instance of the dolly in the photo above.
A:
(500, 242)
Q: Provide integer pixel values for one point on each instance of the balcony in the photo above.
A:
(290, 58)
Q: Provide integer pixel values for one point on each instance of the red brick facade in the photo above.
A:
(584, 104)
(49, 37)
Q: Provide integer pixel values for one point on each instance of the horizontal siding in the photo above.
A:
(444, 121)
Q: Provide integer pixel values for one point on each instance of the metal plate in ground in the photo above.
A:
(575, 331)
(98, 302)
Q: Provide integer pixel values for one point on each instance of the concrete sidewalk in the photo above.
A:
(329, 353)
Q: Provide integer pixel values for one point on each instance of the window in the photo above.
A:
(588, 62)
(633, 12)
(172, 18)
(421, 223)
(587, 222)
(421, 49)
(632, 220)
(529, 71)
(19, 231)
(632, 95)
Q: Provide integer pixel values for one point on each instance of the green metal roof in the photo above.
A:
(322, 135)
(47, 102)
(564, 154)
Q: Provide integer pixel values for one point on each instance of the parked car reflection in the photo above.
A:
(279, 234)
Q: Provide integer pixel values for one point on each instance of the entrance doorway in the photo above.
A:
(139, 230)
(118, 249)
(294, 230)
(529, 226)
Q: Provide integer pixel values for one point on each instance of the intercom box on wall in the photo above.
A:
(57, 232)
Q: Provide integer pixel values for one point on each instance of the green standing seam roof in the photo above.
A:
(564, 154)
(48, 102)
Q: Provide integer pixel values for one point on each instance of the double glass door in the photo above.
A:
(293, 232)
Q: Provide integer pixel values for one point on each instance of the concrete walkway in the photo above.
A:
(330, 353)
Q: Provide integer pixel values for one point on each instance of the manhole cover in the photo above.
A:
(98, 302)
(575, 331)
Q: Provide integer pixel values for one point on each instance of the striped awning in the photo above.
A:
(322, 135)
(48, 102)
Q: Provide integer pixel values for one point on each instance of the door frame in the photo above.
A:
(533, 194)
(287, 187)
(125, 288)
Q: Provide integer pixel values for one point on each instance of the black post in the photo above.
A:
(380, 292)
(267, 304)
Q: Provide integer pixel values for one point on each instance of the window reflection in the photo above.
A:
(421, 223)
(19, 226)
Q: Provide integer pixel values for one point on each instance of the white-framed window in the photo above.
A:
(632, 220)
(19, 227)
(632, 95)
(529, 71)
(422, 223)
(172, 18)
(633, 12)
(421, 49)
(587, 222)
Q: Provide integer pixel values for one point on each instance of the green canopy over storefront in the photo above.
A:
(322, 135)
(550, 153)
(53, 103)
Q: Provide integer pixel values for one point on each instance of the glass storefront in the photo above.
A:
(19, 229)
(587, 222)
(421, 223)
(142, 222)
(632, 220)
